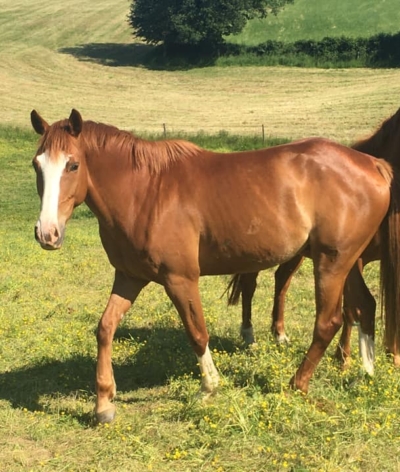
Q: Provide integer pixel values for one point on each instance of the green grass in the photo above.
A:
(309, 33)
(57, 56)
(316, 19)
(51, 304)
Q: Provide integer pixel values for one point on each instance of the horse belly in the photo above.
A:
(252, 251)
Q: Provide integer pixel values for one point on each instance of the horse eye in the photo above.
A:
(73, 167)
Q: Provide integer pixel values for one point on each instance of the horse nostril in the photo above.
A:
(56, 233)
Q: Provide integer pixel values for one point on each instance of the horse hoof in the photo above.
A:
(248, 336)
(282, 339)
(301, 387)
(345, 363)
(106, 416)
(205, 397)
(252, 346)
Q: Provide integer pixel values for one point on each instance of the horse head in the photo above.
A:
(61, 176)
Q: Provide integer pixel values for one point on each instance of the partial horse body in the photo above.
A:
(384, 143)
(169, 212)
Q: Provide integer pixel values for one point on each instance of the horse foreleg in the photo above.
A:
(184, 293)
(328, 294)
(283, 277)
(124, 292)
(248, 284)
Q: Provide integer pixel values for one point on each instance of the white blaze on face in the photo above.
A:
(51, 171)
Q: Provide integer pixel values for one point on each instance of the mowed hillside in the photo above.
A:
(55, 56)
(316, 19)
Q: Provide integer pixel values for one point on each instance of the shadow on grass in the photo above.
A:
(162, 353)
(381, 50)
(137, 55)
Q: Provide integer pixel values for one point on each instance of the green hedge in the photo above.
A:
(382, 50)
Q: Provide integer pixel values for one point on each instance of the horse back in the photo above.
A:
(216, 213)
(265, 206)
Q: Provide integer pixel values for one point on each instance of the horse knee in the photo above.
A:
(326, 330)
(199, 342)
(104, 333)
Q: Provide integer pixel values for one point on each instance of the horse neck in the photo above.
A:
(114, 187)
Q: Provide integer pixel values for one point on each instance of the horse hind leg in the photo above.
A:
(247, 286)
(350, 317)
(393, 352)
(329, 285)
(396, 356)
(343, 349)
(359, 300)
(283, 277)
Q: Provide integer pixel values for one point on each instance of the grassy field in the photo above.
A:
(56, 56)
(51, 303)
(313, 19)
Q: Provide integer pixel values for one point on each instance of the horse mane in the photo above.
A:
(155, 155)
(374, 144)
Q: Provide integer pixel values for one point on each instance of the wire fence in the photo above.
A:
(251, 130)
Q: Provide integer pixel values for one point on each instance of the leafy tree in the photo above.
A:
(196, 22)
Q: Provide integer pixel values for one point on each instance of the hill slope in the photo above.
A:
(316, 19)
(55, 56)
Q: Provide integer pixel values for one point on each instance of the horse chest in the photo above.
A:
(128, 256)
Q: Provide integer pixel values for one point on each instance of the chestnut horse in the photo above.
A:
(169, 212)
(384, 143)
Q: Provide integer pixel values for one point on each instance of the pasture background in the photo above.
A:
(56, 56)
(59, 56)
(316, 19)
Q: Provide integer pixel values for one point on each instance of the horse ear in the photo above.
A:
(75, 122)
(38, 123)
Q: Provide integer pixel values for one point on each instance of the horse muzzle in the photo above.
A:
(49, 238)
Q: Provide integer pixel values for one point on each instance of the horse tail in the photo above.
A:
(390, 259)
(234, 290)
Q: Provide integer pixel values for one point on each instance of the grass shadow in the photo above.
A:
(136, 55)
(162, 353)
(377, 51)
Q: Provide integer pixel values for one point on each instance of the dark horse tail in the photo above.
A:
(390, 259)
(234, 290)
